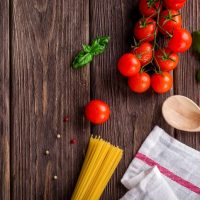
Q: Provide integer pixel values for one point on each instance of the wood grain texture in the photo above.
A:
(185, 83)
(132, 116)
(46, 35)
(38, 88)
(5, 104)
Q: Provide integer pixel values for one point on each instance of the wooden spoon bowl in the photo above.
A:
(182, 113)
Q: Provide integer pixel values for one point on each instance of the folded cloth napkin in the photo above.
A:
(149, 184)
(163, 166)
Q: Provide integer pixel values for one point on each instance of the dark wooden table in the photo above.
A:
(38, 39)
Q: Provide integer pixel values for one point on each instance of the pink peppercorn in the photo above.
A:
(65, 119)
(73, 141)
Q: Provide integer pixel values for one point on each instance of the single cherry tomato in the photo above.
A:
(144, 29)
(144, 52)
(169, 20)
(179, 1)
(161, 82)
(140, 82)
(128, 64)
(166, 60)
(97, 111)
(148, 7)
(180, 41)
(169, 4)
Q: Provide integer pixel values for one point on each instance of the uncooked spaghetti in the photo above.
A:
(100, 163)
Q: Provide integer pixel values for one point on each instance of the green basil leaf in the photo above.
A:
(86, 55)
(196, 41)
(82, 59)
(103, 40)
(87, 48)
(100, 44)
(198, 76)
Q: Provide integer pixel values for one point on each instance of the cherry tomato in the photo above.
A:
(166, 60)
(140, 82)
(161, 82)
(179, 1)
(180, 41)
(147, 7)
(128, 64)
(144, 29)
(144, 52)
(169, 20)
(174, 6)
(97, 111)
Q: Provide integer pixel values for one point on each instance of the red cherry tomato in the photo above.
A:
(179, 1)
(180, 41)
(161, 82)
(140, 82)
(147, 7)
(169, 20)
(144, 52)
(174, 6)
(166, 60)
(128, 64)
(97, 111)
(144, 29)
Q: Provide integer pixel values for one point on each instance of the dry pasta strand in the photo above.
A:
(100, 162)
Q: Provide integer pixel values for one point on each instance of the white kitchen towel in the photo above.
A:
(148, 185)
(179, 165)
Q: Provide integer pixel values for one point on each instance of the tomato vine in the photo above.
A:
(159, 60)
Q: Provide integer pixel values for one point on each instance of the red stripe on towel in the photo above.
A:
(168, 173)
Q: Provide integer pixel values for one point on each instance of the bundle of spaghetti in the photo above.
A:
(99, 165)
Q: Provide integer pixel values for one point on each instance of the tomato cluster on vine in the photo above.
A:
(158, 16)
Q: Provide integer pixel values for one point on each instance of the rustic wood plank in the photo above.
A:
(5, 105)
(185, 83)
(133, 116)
(46, 35)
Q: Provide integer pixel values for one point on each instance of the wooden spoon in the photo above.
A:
(182, 113)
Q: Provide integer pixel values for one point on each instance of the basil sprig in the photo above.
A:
(196, 41)
(196, 47)
(88, 52)
(198, 76)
